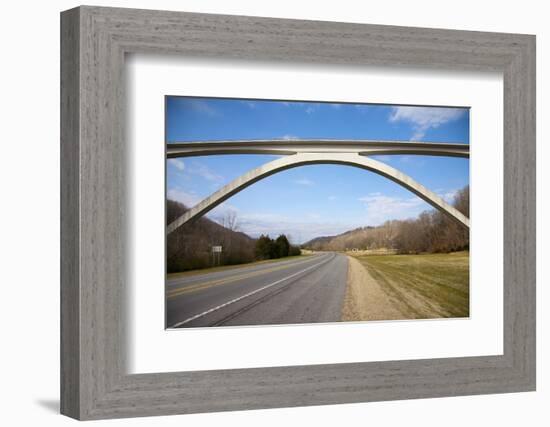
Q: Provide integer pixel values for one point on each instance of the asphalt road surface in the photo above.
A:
(308, 289)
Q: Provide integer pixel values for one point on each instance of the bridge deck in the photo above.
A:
(289, 147)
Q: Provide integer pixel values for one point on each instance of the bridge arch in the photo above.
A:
(302, 159)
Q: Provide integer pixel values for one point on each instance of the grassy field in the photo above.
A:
(423, 286)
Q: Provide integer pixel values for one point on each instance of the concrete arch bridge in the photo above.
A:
(355, 153)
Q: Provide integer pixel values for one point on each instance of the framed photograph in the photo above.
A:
(315, 241)
(347, 211)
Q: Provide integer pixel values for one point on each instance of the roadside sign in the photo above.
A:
(216, 248)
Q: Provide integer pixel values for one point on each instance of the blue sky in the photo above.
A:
(314, 200)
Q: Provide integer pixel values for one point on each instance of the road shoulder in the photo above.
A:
(365, 299)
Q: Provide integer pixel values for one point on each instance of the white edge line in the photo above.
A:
(204, 313)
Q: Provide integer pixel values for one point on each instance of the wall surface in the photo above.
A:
(29, 233)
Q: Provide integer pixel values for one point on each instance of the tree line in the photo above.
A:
(432, 231)
(189, 247)
(268, 248)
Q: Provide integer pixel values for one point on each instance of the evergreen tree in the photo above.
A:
(282, 246)
(264, 247)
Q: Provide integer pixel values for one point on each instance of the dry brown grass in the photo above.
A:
(418, 286)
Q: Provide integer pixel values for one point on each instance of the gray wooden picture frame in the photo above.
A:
(94, 381)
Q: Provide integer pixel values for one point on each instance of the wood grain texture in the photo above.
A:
(70, 292)
(94, 269)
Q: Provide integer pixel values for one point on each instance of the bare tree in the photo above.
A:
(431, 231)
(190, 246)
(230, 220)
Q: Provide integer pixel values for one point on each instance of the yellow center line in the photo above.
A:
(200, 286)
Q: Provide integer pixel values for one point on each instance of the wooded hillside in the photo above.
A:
(431, 232)
(189, 247)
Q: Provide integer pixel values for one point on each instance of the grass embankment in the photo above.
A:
(422, 286)
(231, 267)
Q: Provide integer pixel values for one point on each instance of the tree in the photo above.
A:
(264, 247)
(230, 221)
(282, 246)
(190, 246)
(462, 201)
(432, 231)
(294, 251)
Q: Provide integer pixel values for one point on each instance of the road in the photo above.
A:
(308, 289)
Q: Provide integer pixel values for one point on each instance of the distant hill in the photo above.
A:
(189, 247)
(431, 231)
(358, 238)
(318, 242)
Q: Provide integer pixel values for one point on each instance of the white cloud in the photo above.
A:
(205, 172)
(382, 208)
(255, 224)
(332, 198)
(264, 217)
(179, 195)
(304, 181)
(418, 134)
(177, 163)
(313, 216)
(425, 118)
(310, 109)
(289, 137)
(448, 196)
(299, 231)
(220, 213)
(203, 107)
